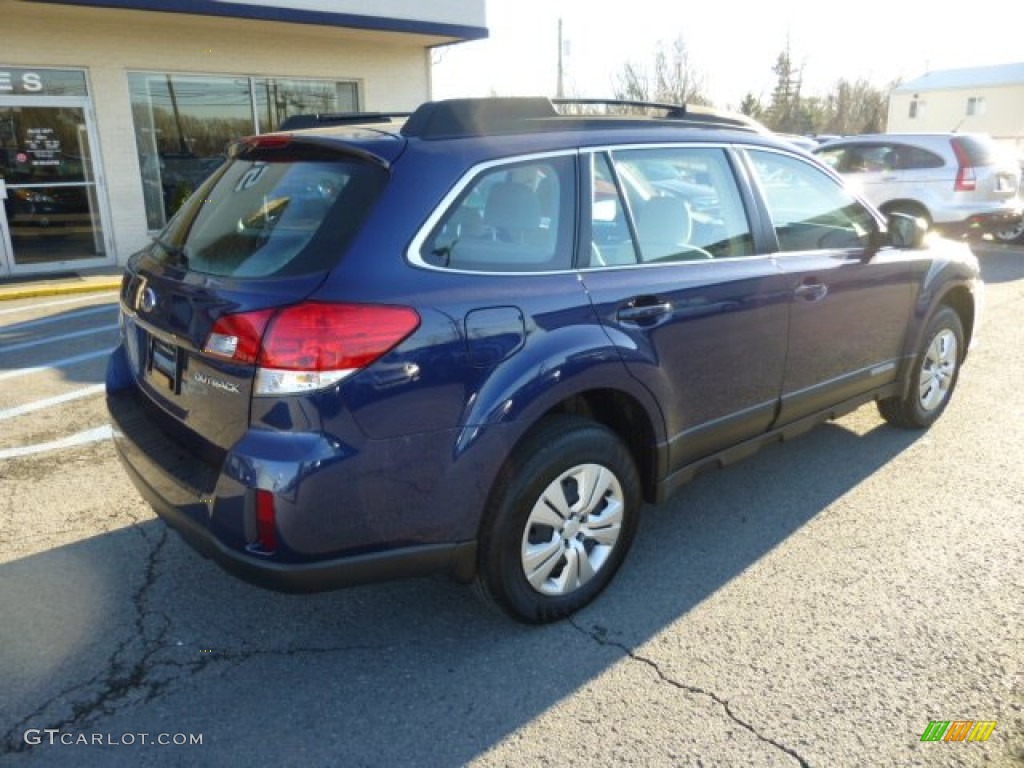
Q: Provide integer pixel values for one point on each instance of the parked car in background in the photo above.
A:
(806, 143)
(958, 183)
(476, 342)
(1015, 232)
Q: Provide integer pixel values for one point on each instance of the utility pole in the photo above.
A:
(560, 93)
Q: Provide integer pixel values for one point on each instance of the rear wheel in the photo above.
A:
(562, 517)
(1013, 234)
(935, 372)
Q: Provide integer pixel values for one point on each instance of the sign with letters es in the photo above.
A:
(19, 81)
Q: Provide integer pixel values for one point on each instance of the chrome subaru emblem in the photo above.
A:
(145, 297)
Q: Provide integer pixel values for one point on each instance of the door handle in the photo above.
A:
(645, 314)
(811, 291)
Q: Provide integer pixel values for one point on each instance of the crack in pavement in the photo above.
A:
(125, 682)
(120, 678)
(600, 636)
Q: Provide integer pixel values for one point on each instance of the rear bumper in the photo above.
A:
(210, 507)
(455, 559)
(983, 223)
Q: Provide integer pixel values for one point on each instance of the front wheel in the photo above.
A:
(935, 373)
(562, 517)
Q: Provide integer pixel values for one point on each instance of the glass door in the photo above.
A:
(52, 208)
(5, 238)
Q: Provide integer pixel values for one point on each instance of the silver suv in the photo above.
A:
(959, 183)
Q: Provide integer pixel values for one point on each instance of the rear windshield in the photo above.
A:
(273, 213)
(980, 150)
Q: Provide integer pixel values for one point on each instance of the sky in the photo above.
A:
(731, 45)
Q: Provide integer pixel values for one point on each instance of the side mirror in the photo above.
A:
(906, 231)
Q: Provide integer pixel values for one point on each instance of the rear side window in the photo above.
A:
(510, 218)
(684, 202)
(907, 158)
(274, 213)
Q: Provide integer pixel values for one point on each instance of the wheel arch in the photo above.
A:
(958, 298)
(906, 205)
(961, 301)
(629, 420)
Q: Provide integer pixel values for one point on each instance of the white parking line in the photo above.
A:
(82, 438)
(61, 302)
(62, 363)
(39, 405)
(58, 319)
(62, 337)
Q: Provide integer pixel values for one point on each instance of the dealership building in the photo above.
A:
(111, 113)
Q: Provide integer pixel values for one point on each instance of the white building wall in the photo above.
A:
(393, 72)
(946, 110)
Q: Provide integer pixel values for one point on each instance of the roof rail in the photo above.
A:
(671, 110)
(692, 113)
(453, 118)
(320, 119)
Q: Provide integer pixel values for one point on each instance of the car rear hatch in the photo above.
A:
(984, 170)
(260, 235)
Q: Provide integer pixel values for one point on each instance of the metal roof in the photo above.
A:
(969, 77)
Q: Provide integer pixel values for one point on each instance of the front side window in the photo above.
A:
(810, 209)
(511, 218)
(857, 158)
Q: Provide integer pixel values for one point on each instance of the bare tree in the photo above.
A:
(857, 107)
(675, 80)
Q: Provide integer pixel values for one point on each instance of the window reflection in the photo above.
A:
(184, 125)
(278, 99)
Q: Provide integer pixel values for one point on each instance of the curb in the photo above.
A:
(31, 291)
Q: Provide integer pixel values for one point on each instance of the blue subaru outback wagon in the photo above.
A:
(475, 341)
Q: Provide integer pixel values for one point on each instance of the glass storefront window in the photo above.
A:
(278, 99)
(185, 123)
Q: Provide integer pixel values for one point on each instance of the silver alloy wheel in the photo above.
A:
(937, 370)
(572, 529)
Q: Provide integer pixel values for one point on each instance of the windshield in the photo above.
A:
(273, 213)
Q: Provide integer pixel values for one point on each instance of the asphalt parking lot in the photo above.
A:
(818, 605)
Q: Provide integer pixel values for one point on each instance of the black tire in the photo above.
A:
(1013, 234)
(934, 373)
(589, 541)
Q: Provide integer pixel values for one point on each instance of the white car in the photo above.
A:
(959, 183)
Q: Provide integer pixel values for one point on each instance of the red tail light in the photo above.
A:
(331, 337)
(966, 181)
(311, 345)
(266, 524)
(237, 337)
